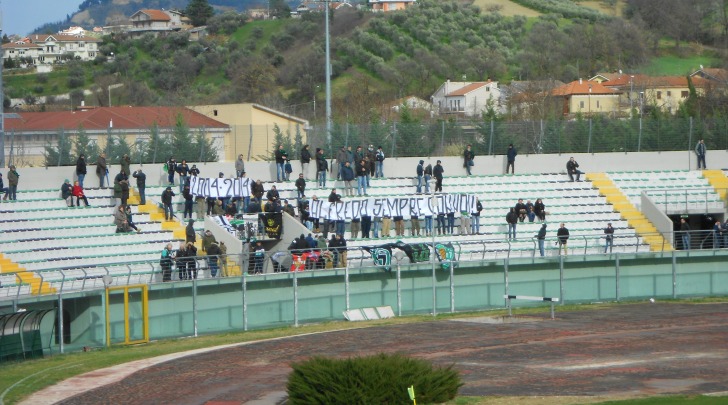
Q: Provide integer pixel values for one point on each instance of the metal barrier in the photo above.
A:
(683, 200)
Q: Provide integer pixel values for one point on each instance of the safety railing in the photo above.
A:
(62, 280)
(685, 200)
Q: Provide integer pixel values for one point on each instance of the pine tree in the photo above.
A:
(199, 11)
(157, 149)
(83, 145)
(208, 153)
(59, 154)
(182, 145)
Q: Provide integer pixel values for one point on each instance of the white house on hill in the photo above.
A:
(466, 98)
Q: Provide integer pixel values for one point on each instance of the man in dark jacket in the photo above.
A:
(541, 237)
(563, 235)
(341, 159)
(66, 192)
(171, 169)
(322, 166)
(101, 169)
(609, 234)
(141, 181)
(511, 156)
(305, 160)
(167, 195)
(190, 235)
(420, 173)
(572, 168)
(361, 177)
(437, 173)
(468, 156)
(685, 233)
(81, 169)
(281, 157)
(301, 186)
(371, 156)
(512, 220)
(521, 210)
(347, 176)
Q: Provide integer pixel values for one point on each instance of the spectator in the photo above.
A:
(223, 258)
(130, 218)
(188, 203)
(700, 151)
(512, 220)
(420, 173)
(81, 168)
(376, 226)
(167, 195)
(305, 160)
(122, 225)
(386, 225)
(124, 184)
(125, 162)
(563, 235)
(183, 170)
(468, 156)
(361, 178)
(609, 236)
(529, 211)
(340, 226)
(141, 181)
(194, 171)
(165, 262)
(521, 210)
(101, 170)
(191, 261)
(540, 210)
(475, 217)
(272, 194)
(258, 257)
(347, 175)
(301, 186)
(350, 157)
(3, 189)
(465, 223)
(200, 207)
(441, 227)
(67, 192)
(333, 197)
(451, 222)
(414, 225)
(725, 232)
(428, 176)
(379, 158)
(190, 235)
(207, 239)
(117, 187)
(171, 168)
(239, 166)
(428, 225)
(341, 248)
(366, 226)
(685, 233)
(341, 159)
(78, 193)
(288, 170)
(437, 172)
(257, 190)
(511, 157)
(217, 210)
(334, 248)
(322, 166)
(359, 155)
(572, 168)
(288, 208)
(398, 225)
(230, 209)
(213, 255)
(281, 156)
(541, 237)
(371, 161)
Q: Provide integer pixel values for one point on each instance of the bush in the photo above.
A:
(378, 379)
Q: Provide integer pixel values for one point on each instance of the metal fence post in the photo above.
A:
(690, 142)
(505, 277)
(452, 288)
(561, 279)
(399, 291)
(674, 275)
(639, 136)
(244, 287)
(194, 305)
(394, 137)
(295, 298)
(60, 322)
(346, 284)
(490, 143)
(616, 274)
(442, 135)
(588, 146)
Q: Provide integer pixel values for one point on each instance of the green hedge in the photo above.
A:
(377, 379)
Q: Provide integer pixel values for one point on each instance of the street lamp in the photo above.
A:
(631, 94)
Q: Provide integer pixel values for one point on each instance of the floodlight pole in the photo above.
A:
(328, 77)
(2, 98)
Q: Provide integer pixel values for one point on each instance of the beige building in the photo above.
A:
(587, 98)
(252, 128)
(390, 5)
(53, 48)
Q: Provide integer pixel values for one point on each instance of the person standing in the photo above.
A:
(414, 225)
(361, 178)
(101, 170)
(541, 237)
(141, 181)
(700, 151)
(465, 223)
(475, 223)
(563, 235)
(190, 235)
(468, 156)
(239, 166)
(281, 157)
(420, 174)
(125, 162)
(572, 168)
(183, 170)
(717, 234)
(609, 236)
(341, 160)
(725, 234)
(305, 160)
(188, 202)
(167, 195)
(347, 175)
(511, 156)
(3, 189)
(379, 162)
(213, 253)
(171, 169)
(165, 262)
(428, 176)
(355, 227)
(437, 172)
(512, 220)
(301, 185)
(371, 160)
(81, 168)
(685, 233)
(322, 166)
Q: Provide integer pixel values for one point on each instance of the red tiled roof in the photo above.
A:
(713, 73)
(61, 38)
(624, 81)
(583, 87)
(124, 118)
(155, 15)
(467, 89)
(23, 45)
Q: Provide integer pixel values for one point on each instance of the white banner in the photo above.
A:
(347, 209)
(220, 187)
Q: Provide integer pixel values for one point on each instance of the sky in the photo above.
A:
(22, 16)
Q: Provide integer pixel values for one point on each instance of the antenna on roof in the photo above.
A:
(701, 67)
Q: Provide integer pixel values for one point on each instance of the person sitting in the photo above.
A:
(122, 225)
(572, 168)
(78, 193)
(67, 192)
(540, 210)
(521, 210)
(129, 219)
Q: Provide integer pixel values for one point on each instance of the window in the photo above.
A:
(597, 103)
(214, 112)
(684, 94)
(669, 93)
(81, 44)
(487, 88)
(659, 95)
(581, 104)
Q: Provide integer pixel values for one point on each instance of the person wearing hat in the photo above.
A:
(13, 178)
(67, 192)
(190, 235)
(167, 195)
(437, 173)
(420, 174)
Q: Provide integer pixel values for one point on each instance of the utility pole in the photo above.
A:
(2, 97)
(328, 77)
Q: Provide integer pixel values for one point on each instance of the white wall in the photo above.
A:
(50, 178)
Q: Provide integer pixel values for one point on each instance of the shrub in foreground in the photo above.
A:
(377, 379)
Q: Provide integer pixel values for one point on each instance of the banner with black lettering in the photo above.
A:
(419, 206)
(220, 187)
(273, 223)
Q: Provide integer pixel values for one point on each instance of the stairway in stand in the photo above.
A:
(644, 228)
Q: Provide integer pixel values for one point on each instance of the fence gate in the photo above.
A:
(127, 315)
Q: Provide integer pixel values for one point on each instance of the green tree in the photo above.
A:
(279, 9)
(297, 144)
(117, 147)
(60, 153)
(206, 146)
(83, 145)
(198, 11)
(281, 139)
(157, 149)
(182, 145)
